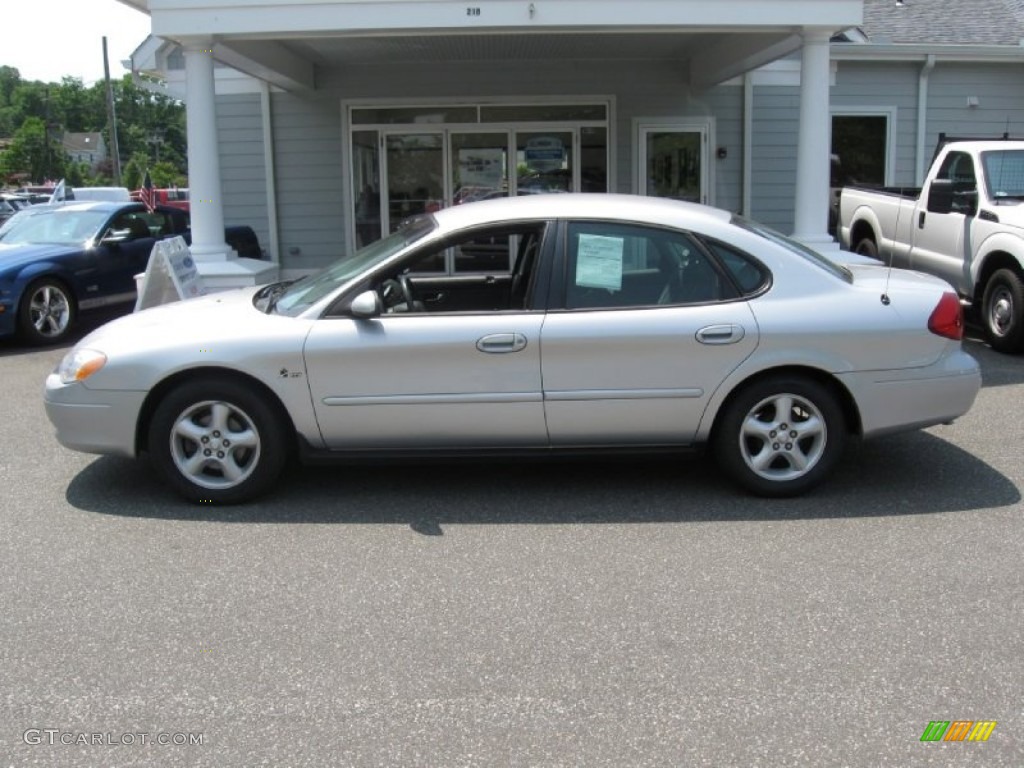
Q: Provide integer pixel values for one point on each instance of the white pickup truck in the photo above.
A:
(966, 225)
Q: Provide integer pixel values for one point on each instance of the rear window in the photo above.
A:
(807, 254)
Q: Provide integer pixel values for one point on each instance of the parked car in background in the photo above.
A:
(626, 323)
(7, 208)
(965, 225)
(173, 197)
(61, 259)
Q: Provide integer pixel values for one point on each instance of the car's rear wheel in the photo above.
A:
(47, 312)
(1003, 311)
(216, 441)
(781, 435)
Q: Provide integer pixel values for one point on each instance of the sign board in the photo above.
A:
(171, 275)
(544, 153)
(599, 262)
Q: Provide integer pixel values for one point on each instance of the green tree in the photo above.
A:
(32, 152)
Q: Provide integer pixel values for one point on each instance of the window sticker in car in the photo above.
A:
(599, 262)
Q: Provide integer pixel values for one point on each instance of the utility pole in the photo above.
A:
(112, 116)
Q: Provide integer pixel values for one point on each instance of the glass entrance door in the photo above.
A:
(673, 162)
(545, 162)
(479, 165)
(414, 175)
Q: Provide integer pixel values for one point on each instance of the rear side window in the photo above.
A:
(749, 275)
(611, 265)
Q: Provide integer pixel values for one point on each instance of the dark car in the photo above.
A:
(57, 260)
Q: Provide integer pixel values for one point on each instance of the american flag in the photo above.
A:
(147, 195)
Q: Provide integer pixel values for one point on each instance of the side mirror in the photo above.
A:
(116, 236)
(940, 196)
(945, 196)
(366, 305)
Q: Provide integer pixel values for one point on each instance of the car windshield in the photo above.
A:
(1004, 173)
(793, 246)
(52, 224)
(312, 288)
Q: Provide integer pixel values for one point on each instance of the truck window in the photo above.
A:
(958, 167)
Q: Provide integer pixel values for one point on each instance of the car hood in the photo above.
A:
(19, 255)
(217, 318)
(223, 329)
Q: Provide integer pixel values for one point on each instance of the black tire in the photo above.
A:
(762, 449)
(204, 432)
(1002, 311)
(47, 312)
(867, 247)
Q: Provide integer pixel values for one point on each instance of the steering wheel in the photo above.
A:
(396, 292)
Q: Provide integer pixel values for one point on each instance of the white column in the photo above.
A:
(203, 156)
(813, 152)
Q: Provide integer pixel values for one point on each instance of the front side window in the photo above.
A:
(623, 265)
(311, 289)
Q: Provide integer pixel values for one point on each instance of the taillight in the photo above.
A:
(947, 318)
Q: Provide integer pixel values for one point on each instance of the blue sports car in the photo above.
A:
(57, 260)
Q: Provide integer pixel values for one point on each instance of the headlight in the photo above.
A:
(80, 364)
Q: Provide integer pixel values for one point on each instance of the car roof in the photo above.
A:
(582, 205)
(104, 206)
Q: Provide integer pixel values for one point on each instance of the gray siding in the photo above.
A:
(773, 155)
(307, 162)
(242, 168)
(1000, 92)
(860, 84)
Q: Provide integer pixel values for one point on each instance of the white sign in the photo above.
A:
(481, 167)
(171, 275)
(544, 153)
(599, 262)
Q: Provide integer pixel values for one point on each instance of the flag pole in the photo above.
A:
(112, 116)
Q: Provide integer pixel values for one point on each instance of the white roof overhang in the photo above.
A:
(285, 43)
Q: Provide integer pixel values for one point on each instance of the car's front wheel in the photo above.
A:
(47, 312)
(781, 435)
(217, 441)
(1003, 311)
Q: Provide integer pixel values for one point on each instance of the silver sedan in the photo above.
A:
(535, 325)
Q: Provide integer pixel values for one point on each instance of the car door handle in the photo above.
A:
(498, 343)
(920, 220)
(720, 334)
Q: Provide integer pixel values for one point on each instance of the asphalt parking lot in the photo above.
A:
(633, 613)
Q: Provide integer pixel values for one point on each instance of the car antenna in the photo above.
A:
(886, 301)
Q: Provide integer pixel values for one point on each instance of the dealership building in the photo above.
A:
(324, 123)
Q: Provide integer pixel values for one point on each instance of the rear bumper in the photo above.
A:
(906, 399)
(93, 421)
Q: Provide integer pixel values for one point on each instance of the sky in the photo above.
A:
(50, 39)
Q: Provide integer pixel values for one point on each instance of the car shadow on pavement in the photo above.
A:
(12, 346)
(998, 369)
(915, 473)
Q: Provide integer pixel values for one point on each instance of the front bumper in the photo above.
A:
(92, 421)
(911, 398)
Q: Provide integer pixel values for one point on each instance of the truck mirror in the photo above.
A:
(940, 196)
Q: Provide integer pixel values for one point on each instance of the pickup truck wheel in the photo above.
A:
(1003, 311)
(867, 247)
